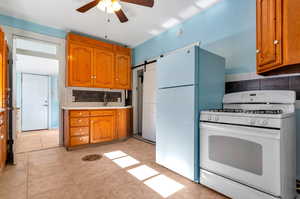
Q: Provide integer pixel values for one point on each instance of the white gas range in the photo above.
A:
(248, 149)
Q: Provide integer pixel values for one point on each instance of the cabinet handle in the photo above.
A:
(257, 51)
(1, 137)
(276, 42)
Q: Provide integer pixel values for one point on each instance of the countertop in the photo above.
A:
(93, 108)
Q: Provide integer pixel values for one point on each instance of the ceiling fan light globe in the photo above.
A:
(116, 6)
(102, 6)
(109, 9)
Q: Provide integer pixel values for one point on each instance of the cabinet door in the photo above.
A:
(2, 149)
(3, 141)
(102, 128)
(123, 72)
(6, 90)
(103, 70)
(124, 126)
(80, 65)
(269, 34)
(2, 65)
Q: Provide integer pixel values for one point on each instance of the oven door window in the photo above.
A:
(238, 153)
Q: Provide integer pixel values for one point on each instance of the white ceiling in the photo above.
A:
(143, 23)
(36, 65)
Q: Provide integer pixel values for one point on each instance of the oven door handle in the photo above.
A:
(239, 131)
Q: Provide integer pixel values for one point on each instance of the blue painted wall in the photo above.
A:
(227, 29)
(29, 26)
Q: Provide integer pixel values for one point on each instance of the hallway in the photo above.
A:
(37, 140)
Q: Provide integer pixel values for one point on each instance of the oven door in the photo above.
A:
(247, 155)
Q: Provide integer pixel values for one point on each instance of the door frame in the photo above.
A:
(49, 98)
(59, 56)
(11, 33)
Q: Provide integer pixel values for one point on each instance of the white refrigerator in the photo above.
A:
(188, 81)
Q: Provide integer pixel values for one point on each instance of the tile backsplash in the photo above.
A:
(93, 97)
(96, 96)
(274, 83)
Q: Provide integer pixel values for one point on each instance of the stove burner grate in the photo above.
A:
(271, 112)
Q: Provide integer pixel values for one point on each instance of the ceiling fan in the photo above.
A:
(114, 6)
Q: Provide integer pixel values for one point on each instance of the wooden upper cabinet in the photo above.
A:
(278, 41)
(103, 69)
(102, 128)
(123, 72)
(80, 65)
(6, 90)
(2, 67)
(94, 63)
(269, 29)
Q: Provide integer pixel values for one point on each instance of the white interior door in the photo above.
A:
(149, 103)
(35, 101)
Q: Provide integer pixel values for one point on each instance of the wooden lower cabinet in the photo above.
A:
(102, 128)
(96, 126)
(124, 123)
(3, 141)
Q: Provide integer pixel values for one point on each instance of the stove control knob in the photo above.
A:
(264, 122)
(216, 118)
(209, 118)
(252, 121)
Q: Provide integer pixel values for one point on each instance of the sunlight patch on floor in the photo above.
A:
(143, 172)
(164, 185)
(115, 154)
(126, 161)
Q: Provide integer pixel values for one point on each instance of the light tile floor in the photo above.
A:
(37, 140)
(60, 174)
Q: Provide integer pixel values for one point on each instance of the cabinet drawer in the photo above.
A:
(79, 131)
(74, 122)
(79, 113)
(76, 141)
(102, 113)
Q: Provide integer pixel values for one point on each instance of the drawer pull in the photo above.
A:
(2, 137)
(276, 42)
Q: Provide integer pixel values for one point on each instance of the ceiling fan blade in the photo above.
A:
(121, 15)
(148, 3)
(88, 6)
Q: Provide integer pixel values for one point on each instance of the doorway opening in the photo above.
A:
(36, 95)
(144, 100)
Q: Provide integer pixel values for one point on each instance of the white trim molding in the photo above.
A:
(10, 35)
